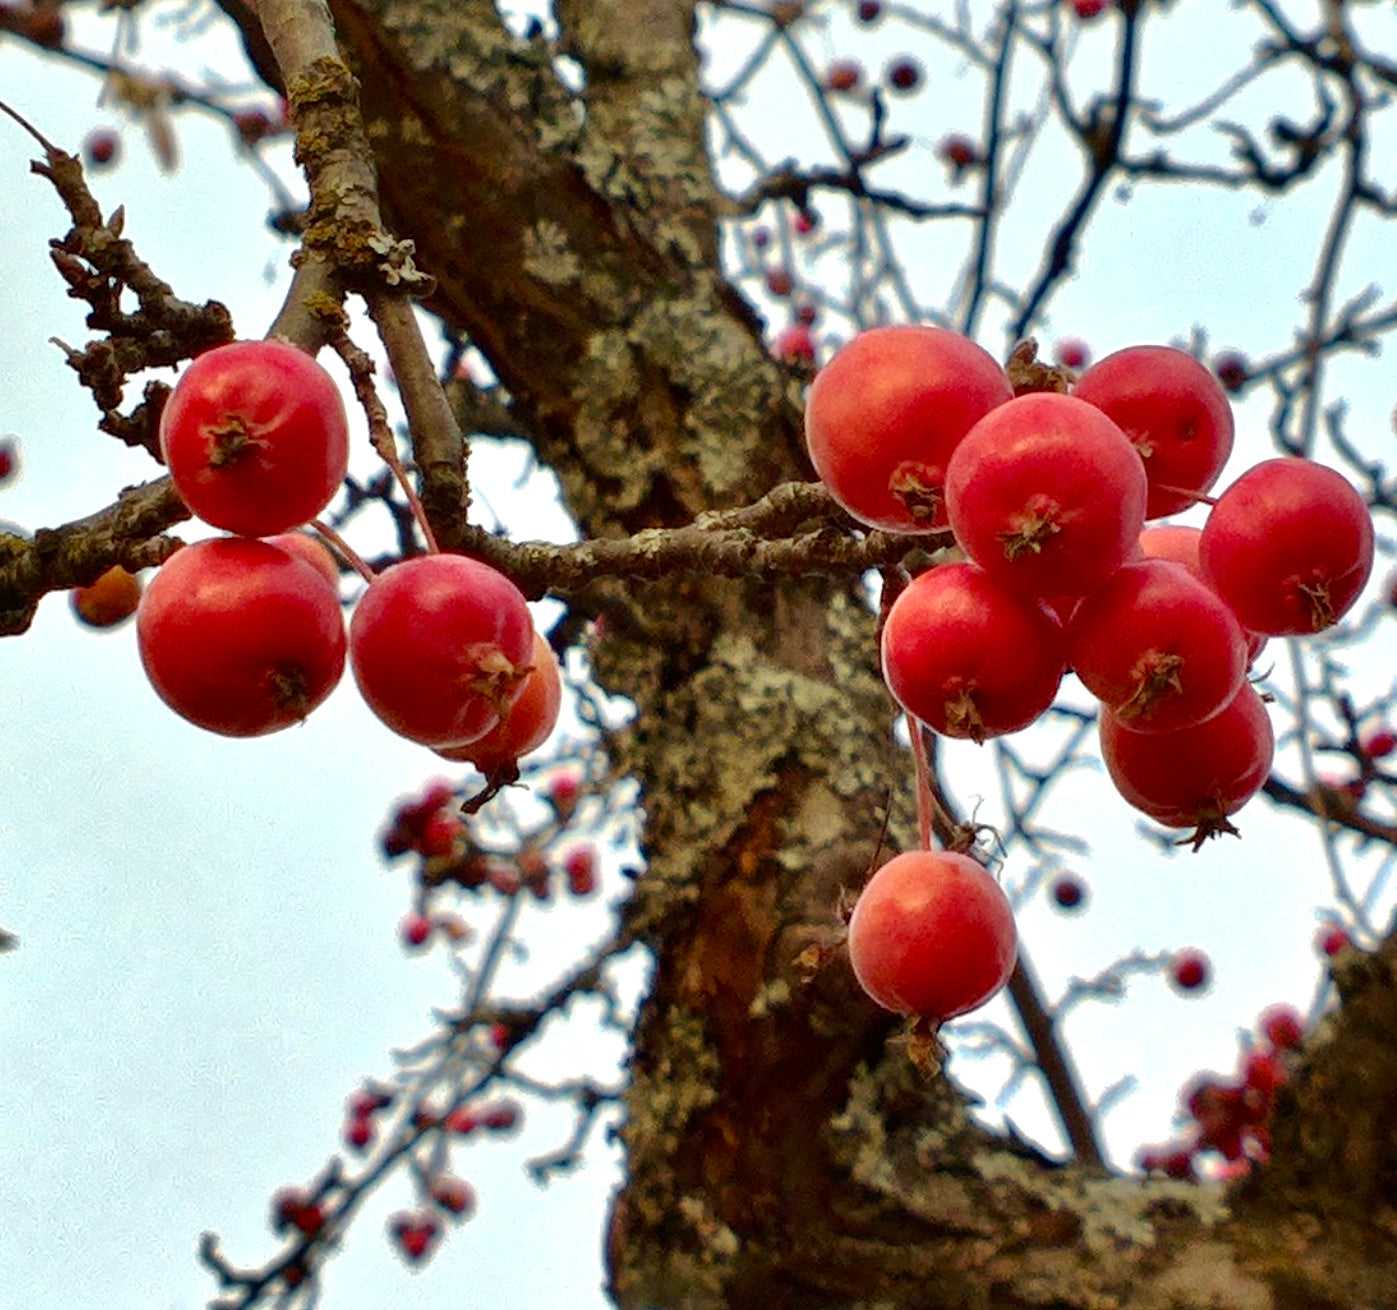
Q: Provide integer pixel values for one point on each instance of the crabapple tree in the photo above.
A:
(797, 302)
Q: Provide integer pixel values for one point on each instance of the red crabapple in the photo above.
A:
(359, 1133)
(1288, 546)
(1331, 939)
(415, 1233)
(255, 437)
(454, 1195)
(1157, 647)
(1068, 892)
(843, 75)
(1072, 352)
(440, 647)
(1046, 495)
(239, 637)
(1173, 412)
(1232, 370)
(904, 74)
(884, 415)
(1189, 970)
(932, 935)
(462, 1121)
(526, 724)
(415, 930)
(101, 147)
(562, 792)
(1194, 777)
(1174, 541)
(1282, 1026)
(794, 345)
(9, 459)
(580, 865)
(958, 151)
(500, 1116)
(252, 125)
(967, 657)
(1379, 743)
(292, 1206)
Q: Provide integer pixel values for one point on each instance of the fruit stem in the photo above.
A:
(386, 447)
(1198, 497)
(338, 542)
(924, 797)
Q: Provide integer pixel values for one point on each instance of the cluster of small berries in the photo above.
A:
(244, 635)
(1231, 1117)
(915, 429)
(428, 826)
(309, 1214)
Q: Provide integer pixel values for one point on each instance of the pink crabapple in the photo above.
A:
(932, 935)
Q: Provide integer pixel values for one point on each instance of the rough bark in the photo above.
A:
(782, 1150)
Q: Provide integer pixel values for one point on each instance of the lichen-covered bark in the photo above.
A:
(782, 1150)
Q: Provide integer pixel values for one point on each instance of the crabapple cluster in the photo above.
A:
(1230, 1117)
(1047, 493)
(535, 860)
(238, 634)
(244, 635)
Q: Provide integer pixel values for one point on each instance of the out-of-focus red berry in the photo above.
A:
(101, 147)
(1282, 1026)
(904, 74)
(1232, 370)
(843, 75)
(1189, 971)
(795, 345)
(1072, 352)
(1379, 743)
(958, 151)
(1331, 939)
(358, 1133)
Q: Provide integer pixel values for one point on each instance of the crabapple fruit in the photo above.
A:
(239, 637)
(885, 414)
(1173, 411)
(1288, 546)
(1189, 970)
(1176, 542)
(967, 657)
(1046, 495)
(526, 724)
(1068, 892)
(255, 437)
(1157, 647)
(101, 147)
(440, 647)
(932, 935)
(112, 599)
(1282, 1026)
(1193, 777)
